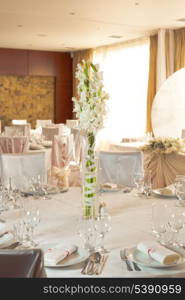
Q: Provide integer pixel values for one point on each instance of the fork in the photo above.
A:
(136, 267)
(124, 254)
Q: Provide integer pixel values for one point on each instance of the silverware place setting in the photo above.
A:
(131, 265)
(95, 263)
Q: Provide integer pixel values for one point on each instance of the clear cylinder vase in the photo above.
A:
(89, 178)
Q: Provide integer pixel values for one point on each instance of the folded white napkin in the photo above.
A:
(35, 147)
(6, 240)
(110, 185)
(54, 255)
(2, 228)
(47, 143)
(159, 253)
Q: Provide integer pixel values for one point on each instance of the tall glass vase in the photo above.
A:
(89, 177)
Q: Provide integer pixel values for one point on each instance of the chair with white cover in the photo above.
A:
(19, 122)
(18, 130)
(64, 171)
(14, 144)
(50, 132)
(119, 167)
(43, 123)
(20, 166)
(183, 134)
(72, 123)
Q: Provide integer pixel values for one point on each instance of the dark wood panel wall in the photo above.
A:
(43, 63)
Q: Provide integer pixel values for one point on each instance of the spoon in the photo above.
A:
(94, 259)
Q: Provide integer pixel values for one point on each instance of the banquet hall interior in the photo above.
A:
(92, 138)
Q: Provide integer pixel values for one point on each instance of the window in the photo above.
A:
(125, 73)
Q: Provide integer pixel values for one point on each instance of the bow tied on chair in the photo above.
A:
(61, 175)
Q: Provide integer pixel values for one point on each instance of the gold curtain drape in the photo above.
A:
(151, 80)
(77, 58)
(169, 52)
(179, 37)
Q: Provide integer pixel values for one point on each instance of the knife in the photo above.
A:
(102, 263)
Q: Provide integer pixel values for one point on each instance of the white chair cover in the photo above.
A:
(64, 171)
(18, 130)
(72, 123)
(119, 167)
(183, 134)
(20, 166)
(14, 144)
(43, 123)
(50, 132)
(19, 122)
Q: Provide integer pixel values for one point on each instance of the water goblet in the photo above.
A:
(31, 220)
(180, 190)
(139, 183)
(177, 223)
(86, 231)
(147, 188)
(102, 226)
(160, 223)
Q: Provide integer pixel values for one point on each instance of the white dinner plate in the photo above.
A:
(79, 256)
(144, 260)
(109, 190)
(6, 240)
(161, 193)
(50, 190)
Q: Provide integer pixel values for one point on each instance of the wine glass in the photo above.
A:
(177, 223)
(86, 231)
(139, 183)
(31, 219)
(160, 223)
(180, 189)
(102, 226)
(147, 188)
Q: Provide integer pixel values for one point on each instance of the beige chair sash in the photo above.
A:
(164, 167)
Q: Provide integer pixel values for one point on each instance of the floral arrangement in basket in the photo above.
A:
(164, 145)
(90, 109)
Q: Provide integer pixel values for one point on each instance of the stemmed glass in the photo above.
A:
(102, 226)
(176, 223)
(86, 231)
(160, 223)
(143, 183)
(147, 183)
(139, 183)
(38, 187)
(31, 219)
(180, 189)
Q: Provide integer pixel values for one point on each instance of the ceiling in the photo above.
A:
(71, 25)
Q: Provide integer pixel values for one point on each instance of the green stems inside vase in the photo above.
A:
(90, 178)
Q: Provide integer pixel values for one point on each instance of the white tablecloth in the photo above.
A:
(132, 146)
(131, 223)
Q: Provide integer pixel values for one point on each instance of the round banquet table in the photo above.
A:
(131, 224)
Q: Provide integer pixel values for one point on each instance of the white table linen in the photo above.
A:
(131, 224)
(130, 146)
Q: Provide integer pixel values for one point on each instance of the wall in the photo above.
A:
(26, 97)
(43, 63)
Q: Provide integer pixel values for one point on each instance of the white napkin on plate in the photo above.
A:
(159, 253)
(6, 240)
(110, 185)
(54, 255)
(35, 147)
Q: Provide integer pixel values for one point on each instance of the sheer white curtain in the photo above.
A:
(125, 73)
